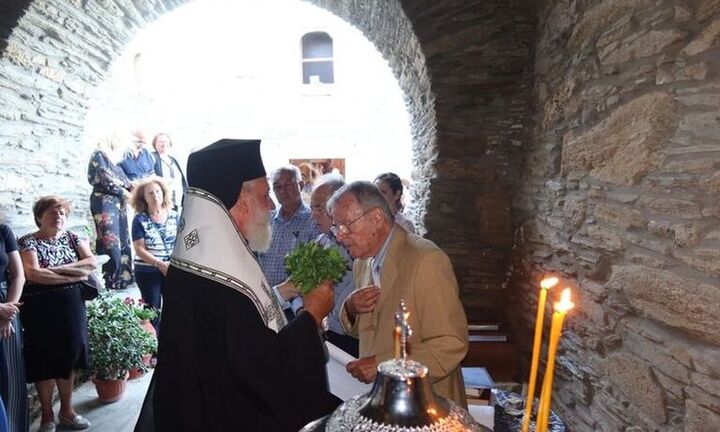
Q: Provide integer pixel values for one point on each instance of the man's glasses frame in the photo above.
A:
(345, 227)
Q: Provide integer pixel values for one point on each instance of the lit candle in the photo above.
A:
(398, 335)
(560, 310)
(545, 285)
(402, 331)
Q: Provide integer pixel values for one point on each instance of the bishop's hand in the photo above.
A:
(319, 302)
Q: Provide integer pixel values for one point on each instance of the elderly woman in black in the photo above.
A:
(53, 313)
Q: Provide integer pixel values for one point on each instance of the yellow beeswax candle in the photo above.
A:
(545, 285)
(398, 344)
(560, 310)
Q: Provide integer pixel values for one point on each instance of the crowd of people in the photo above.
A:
(43, 324)
(240, 344)
(238, 348)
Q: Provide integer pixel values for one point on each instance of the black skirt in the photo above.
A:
(55, 330)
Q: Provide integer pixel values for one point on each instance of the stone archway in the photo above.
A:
(62, 52)
(510, 151)
(465, 70)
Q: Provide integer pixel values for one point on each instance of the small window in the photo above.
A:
(317, 58)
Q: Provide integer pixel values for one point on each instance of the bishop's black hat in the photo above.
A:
(222, 167)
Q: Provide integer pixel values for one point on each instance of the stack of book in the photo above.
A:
(478, 385)
(486, 332)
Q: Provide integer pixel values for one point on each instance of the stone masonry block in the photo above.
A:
(595, 20)
(700, 419)
(619, 215)
(707, 39)
(639, 46)
(635, 380)
(707, 9)
(626, 145)
(678, 302)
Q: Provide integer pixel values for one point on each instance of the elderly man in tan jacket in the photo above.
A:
(392, 264)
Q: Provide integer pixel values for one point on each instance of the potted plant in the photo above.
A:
(117, 343)
(145, 313)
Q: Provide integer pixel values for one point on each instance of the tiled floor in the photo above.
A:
(119, 416)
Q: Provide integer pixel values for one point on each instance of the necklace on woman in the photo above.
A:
(157, 215)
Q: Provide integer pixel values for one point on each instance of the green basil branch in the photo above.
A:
(310, 264)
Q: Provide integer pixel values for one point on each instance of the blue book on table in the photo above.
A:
(477, 377)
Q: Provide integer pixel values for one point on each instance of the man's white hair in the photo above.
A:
(332, 180)
(292, 169)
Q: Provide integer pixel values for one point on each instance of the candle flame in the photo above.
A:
(549, 282)
(565, 304)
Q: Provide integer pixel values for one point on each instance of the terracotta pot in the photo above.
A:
(147, 325)
(146, 359)
(110, 391)
(136, 373)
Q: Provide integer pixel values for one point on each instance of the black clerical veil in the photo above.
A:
(222, 167)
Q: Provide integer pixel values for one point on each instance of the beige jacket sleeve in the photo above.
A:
(440, 335)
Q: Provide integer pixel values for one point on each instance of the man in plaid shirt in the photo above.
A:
(291, 225)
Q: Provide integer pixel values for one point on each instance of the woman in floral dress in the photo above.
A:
(108, 204)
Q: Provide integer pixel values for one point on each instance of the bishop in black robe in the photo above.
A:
(227, 359)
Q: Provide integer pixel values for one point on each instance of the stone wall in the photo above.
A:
(479, 57)
(54, 56)
(621, 199)
(618, 170)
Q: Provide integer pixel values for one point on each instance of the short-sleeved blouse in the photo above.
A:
(8, 245)
(159, 237)
(52, 252)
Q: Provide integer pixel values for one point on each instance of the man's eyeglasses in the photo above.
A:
(345, 228)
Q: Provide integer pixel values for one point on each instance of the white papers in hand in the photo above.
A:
(483, 414)
(342, 384)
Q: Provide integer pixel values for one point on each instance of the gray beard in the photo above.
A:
(261, 237)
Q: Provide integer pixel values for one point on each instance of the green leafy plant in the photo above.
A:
(143, 311)
(310, 264)
(116, 339)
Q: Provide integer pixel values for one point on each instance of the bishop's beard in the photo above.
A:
(260, 236)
